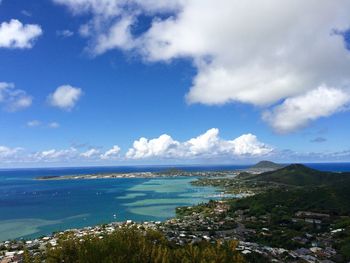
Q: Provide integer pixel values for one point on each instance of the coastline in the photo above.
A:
(165, 174)
(254, 222)
(192, 228)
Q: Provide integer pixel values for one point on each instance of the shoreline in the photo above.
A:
(304, 233)
(183, 229)
(164, 174)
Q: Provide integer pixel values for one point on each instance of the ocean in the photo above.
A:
(31, 208)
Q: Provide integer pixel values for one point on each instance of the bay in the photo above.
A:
(31, 208)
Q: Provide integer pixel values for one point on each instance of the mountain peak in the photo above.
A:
(267, 164)
(299, 167)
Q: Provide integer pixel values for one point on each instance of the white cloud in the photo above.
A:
(54, 125)
(112, 20)
(253, 51)
(204, 148)
(90, 153)
(7, 153)
(14, 34)
(14, 99)
(248, 144)
(33, 123)
(204, 143)
(73, 155)
(207, 145)
(98, 7)
(111, 8)
(55, 155)
(163, 146)
(298, 111)
(118, 36)
(65, 97)
(64, 33)
(112, 153)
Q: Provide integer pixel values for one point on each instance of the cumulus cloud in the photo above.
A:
(55, 155)
(13, 99)
(90, 153)
(113, 20)
(7, 153)
(14, 34)
(246, 147)
(207, 145)
(248, 144)
(72, 155)
(112, 153)
(65, 97)
(111, 8)
(98, 7)
(164, 146)
(252, 52)
(118, 36)
(298, 111)
(255, 51)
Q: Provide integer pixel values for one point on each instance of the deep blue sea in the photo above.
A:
(30, 208)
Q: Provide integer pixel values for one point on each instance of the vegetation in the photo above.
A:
(279, 208)
(278, 196)
(300, 175)
(204, 208)
(291, 208)
(171, 171)
(135, 246)
(237, 186)
(267, 165)
(332, 199)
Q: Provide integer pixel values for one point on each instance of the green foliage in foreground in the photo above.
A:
(136, 246)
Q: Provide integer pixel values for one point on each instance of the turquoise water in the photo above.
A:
(30, 208)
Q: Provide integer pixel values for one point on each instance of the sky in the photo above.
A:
(116, 82)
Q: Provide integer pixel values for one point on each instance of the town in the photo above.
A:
(292, 214)
(167, 173)
(208, 222)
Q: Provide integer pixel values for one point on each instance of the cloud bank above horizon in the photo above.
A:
(205, 146)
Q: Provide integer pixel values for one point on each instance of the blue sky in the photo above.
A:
(137, 72)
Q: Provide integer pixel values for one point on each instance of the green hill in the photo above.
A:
(301, 175)
(333, 199)
(267, 165)
(259, 168)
